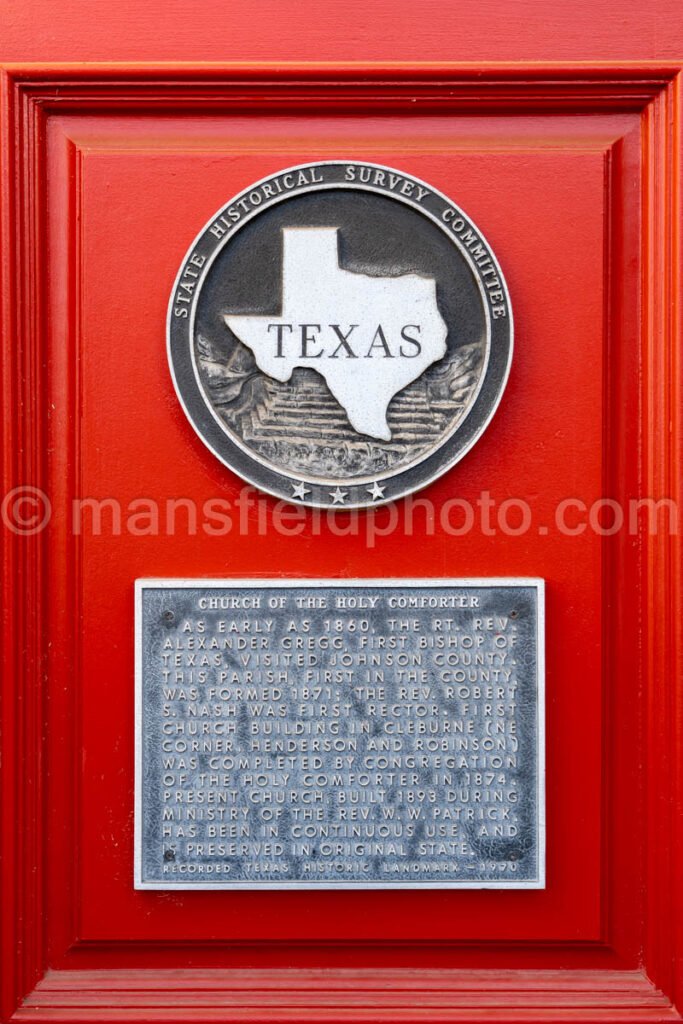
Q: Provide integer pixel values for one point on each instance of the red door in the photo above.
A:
(557, 130)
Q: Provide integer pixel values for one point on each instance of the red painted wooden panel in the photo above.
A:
(358, 30)
(544, 213)
(582, 210)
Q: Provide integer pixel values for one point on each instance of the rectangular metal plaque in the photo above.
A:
(339, 734)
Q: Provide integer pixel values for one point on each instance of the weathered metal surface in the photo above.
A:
(334, 733)
(340, 334)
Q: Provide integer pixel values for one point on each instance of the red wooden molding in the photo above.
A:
(347, 995)
(642, 602)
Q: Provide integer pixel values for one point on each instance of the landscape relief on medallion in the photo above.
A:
(300, 425)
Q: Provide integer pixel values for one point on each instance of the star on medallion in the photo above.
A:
(338, 496)
(300, 491)
(376, 491)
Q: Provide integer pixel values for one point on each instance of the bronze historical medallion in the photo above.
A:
(340, 334)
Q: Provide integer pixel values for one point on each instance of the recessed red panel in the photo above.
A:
(544, 214)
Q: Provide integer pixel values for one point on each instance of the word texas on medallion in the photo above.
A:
(340, 334)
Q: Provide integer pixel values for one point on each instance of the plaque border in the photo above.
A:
(284, 583)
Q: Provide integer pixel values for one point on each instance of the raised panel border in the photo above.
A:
(648, 572)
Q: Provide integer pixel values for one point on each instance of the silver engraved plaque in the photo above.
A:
(321, 734)
(340, 334)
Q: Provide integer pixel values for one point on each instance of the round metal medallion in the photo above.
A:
(340, 334)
